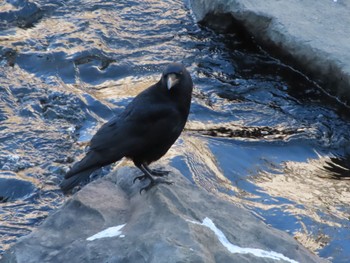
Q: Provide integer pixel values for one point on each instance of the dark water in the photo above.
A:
(260, 134)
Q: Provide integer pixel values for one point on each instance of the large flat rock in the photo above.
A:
(109, 221)
(313, 36)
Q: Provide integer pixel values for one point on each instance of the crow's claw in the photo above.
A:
(153, 183)
(156, 172)
(141, 178)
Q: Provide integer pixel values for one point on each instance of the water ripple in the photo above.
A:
(259, 134)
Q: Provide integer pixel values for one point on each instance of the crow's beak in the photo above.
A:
(171, 81)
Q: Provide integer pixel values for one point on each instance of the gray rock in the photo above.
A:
(169, 223)
(313, 36)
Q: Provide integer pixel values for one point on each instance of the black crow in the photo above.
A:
(143, 132)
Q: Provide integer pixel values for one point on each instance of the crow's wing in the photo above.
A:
(136, 127)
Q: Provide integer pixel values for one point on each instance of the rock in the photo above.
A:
(310, 36)
(24, 15)
(13, 188)
(109, 221)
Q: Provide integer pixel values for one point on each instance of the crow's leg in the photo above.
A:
(156, 172)
(148, 175)
(151, 172)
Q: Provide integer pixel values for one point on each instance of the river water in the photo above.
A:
(260, 134)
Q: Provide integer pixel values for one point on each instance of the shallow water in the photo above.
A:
(259, 134)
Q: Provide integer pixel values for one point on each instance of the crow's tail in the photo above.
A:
(82, 169)
(69, 183)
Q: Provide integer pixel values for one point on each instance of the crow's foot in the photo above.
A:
(153, 183)
(157, 172)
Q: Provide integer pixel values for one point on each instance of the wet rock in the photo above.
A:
(13, 188)
(109, 221)
(24, 14)
(9, 55)
(60, 105)
(42, 65)
(313, 37)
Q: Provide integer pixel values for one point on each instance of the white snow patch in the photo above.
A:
(108, 232)
(207, 222)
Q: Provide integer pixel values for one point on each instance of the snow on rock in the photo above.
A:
(109, 221)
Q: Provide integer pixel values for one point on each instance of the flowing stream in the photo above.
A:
(260, 134)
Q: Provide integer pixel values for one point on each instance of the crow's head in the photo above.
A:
(175, 74)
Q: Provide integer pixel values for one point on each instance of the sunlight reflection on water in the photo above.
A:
(258, 135)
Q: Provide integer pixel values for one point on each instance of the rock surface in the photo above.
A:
(312, 36)
(109, 221)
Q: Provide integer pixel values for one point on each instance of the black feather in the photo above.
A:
(144, 131)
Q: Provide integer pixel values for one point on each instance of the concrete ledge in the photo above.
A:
(311, 36)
